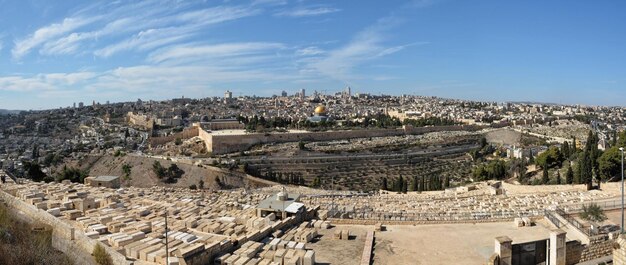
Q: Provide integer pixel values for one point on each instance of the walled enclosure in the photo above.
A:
(228, 143)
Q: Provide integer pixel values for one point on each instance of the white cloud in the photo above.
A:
(148, 22)
(307, 12)
(202, 52)
(269, 2)
(145, 40)
(44, 82)
(309, 51)
(366, 45)
(47, 33)
(191, 22)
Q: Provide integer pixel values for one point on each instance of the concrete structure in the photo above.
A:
(557, 247)
(282, 205)
(112, 182)
(504, 250)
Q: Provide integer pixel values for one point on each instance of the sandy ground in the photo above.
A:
(504, 136)
(340, 252)
(447, 243)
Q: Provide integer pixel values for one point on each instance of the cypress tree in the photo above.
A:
(404, 186)
(586, 169)
(414, 184)
(565, 149)
(558, 177)
(569, 176)
(421, 186)
(545, 179)
(384, 186)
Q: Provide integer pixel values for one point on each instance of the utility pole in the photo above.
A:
(622, 150)
(167, 252)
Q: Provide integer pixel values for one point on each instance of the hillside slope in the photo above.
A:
(142, 174)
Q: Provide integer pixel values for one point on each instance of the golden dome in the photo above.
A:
(320, 109)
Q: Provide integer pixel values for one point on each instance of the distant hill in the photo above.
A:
(6, 111)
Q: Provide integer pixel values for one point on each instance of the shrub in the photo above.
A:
(101, 256)
(593, 213)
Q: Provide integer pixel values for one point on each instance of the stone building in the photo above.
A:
(282, 205)
(112, 182)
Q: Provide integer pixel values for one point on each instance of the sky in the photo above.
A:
(55, 53)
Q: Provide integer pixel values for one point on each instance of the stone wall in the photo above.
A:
(221, 144)
(422, 222)
(225, 143)
(65, 238)
(185, 134)
(597, 248)
(619, 251)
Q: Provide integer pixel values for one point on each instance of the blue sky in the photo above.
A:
(54, 53)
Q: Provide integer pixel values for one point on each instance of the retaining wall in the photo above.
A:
(65, 238)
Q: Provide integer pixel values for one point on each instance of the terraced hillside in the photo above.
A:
(365, 170)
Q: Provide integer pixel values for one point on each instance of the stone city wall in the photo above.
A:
(65, 238)
(221, 144)
(185, 134)
(224, 143)
(141, 120)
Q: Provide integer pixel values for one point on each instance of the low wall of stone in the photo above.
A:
(597, 248)
(339, 221)
(65, 238)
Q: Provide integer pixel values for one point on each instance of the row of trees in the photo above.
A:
(401, 184)
(256, 123)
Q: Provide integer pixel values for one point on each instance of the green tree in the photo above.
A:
(158, 169)
(586, 169)
(404, 186)
(33, 171)
(550, 158)
(569, 175)
(621, 139)
(558, 177)
(301, 145)
(384, 184)
(545, 178)
(126, 169)
(317, 181)
(72, 174)
(483, 142)
(592, 212)
(565, 149)
(414, 184)
(609, 163)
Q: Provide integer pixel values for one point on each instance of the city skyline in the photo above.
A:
(55, 54)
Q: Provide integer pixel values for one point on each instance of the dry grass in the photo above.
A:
(20, 245)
